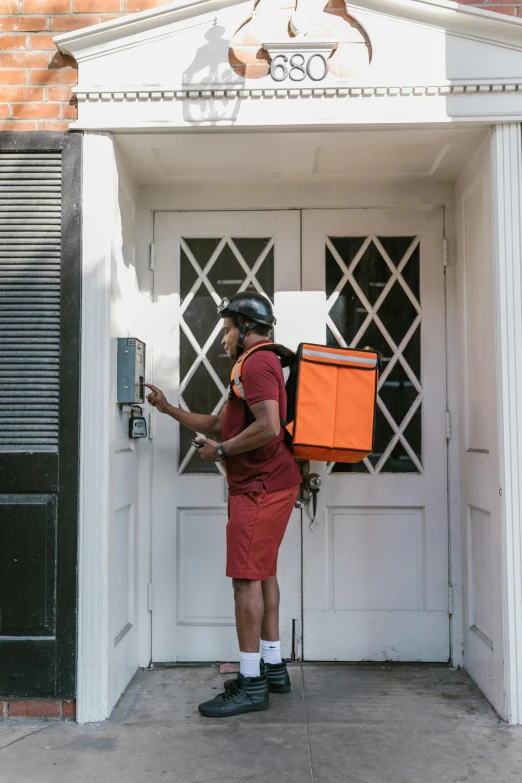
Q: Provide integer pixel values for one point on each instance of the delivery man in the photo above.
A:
(263, 483)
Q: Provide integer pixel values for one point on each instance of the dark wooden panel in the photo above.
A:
(30, 260)
(27, 565)
(39, 507)
(22, 472)
(27, 668)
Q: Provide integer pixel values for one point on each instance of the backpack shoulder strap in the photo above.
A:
(286, 356)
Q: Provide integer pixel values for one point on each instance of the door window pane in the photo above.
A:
(373, 289)
(210, 269)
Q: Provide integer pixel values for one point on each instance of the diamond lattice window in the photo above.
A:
(373, 293)
(212, 268)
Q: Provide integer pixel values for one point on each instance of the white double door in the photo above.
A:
(369, 579)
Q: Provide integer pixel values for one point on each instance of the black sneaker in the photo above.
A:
(277, 677)
(244, 694)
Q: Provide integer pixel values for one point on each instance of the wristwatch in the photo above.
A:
(220, 451)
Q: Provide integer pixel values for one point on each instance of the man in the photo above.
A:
(263, 482)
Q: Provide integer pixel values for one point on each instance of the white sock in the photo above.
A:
(249, 664)
(271, 652)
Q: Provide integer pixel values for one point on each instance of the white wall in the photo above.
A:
(113, 564)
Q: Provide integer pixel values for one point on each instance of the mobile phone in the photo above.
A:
(196, 443)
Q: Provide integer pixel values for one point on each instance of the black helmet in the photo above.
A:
(252, 306)
(247, 306)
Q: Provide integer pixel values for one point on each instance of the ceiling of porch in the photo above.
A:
(437, 154)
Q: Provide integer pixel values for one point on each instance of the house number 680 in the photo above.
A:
(298, 68)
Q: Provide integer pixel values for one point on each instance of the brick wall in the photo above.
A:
(36, 81)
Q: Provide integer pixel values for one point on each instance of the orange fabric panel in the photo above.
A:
(354, 412)
(315, 411)
(335, 407)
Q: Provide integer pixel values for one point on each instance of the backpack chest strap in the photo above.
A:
(237, 382)
(236, 378)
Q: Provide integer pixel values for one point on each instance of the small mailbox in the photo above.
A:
(130, 371)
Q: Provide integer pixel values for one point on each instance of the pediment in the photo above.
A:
(217, 61)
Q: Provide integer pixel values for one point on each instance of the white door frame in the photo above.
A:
(98, 219)
(507, 261)
(98, 205)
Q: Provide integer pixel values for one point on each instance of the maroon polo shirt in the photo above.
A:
(271, 467)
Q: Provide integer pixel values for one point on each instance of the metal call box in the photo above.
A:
(130, 371)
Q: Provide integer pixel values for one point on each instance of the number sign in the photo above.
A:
(298, 67)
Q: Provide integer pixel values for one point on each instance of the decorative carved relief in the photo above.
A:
(288, 25)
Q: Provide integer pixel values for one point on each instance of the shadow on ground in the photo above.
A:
(340, 724)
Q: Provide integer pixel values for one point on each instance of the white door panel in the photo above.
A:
(375, 578)
(200, 258)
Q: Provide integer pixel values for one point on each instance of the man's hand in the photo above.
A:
(157, 399)
(208, 451)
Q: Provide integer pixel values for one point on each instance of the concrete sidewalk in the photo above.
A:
(341, 723)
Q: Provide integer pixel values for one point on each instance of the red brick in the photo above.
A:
(36, 111)
(54, 76)
(12, 42)
(510, 10)
(4, 115)
(34, 709)
(103, 6)
(24, 59)
(142, 5)
(8, 6)
(69, 710)
(53, 126)
(21, 24)
(73, 22)
(110, 17)
(13, 77)
(46, 6)
(58, 93)
(19, 94)
(70, 111)
(42, 42)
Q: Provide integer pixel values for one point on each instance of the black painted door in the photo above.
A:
(40, 243)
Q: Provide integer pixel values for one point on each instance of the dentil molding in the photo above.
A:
(227, 92)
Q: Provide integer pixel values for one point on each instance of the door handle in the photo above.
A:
(313, 482)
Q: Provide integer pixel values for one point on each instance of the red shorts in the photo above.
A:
(256, 525)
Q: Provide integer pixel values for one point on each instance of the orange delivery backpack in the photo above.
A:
(331, 393)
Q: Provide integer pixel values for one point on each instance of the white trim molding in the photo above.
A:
(143, 92)
(507, 221)
(99, 178)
